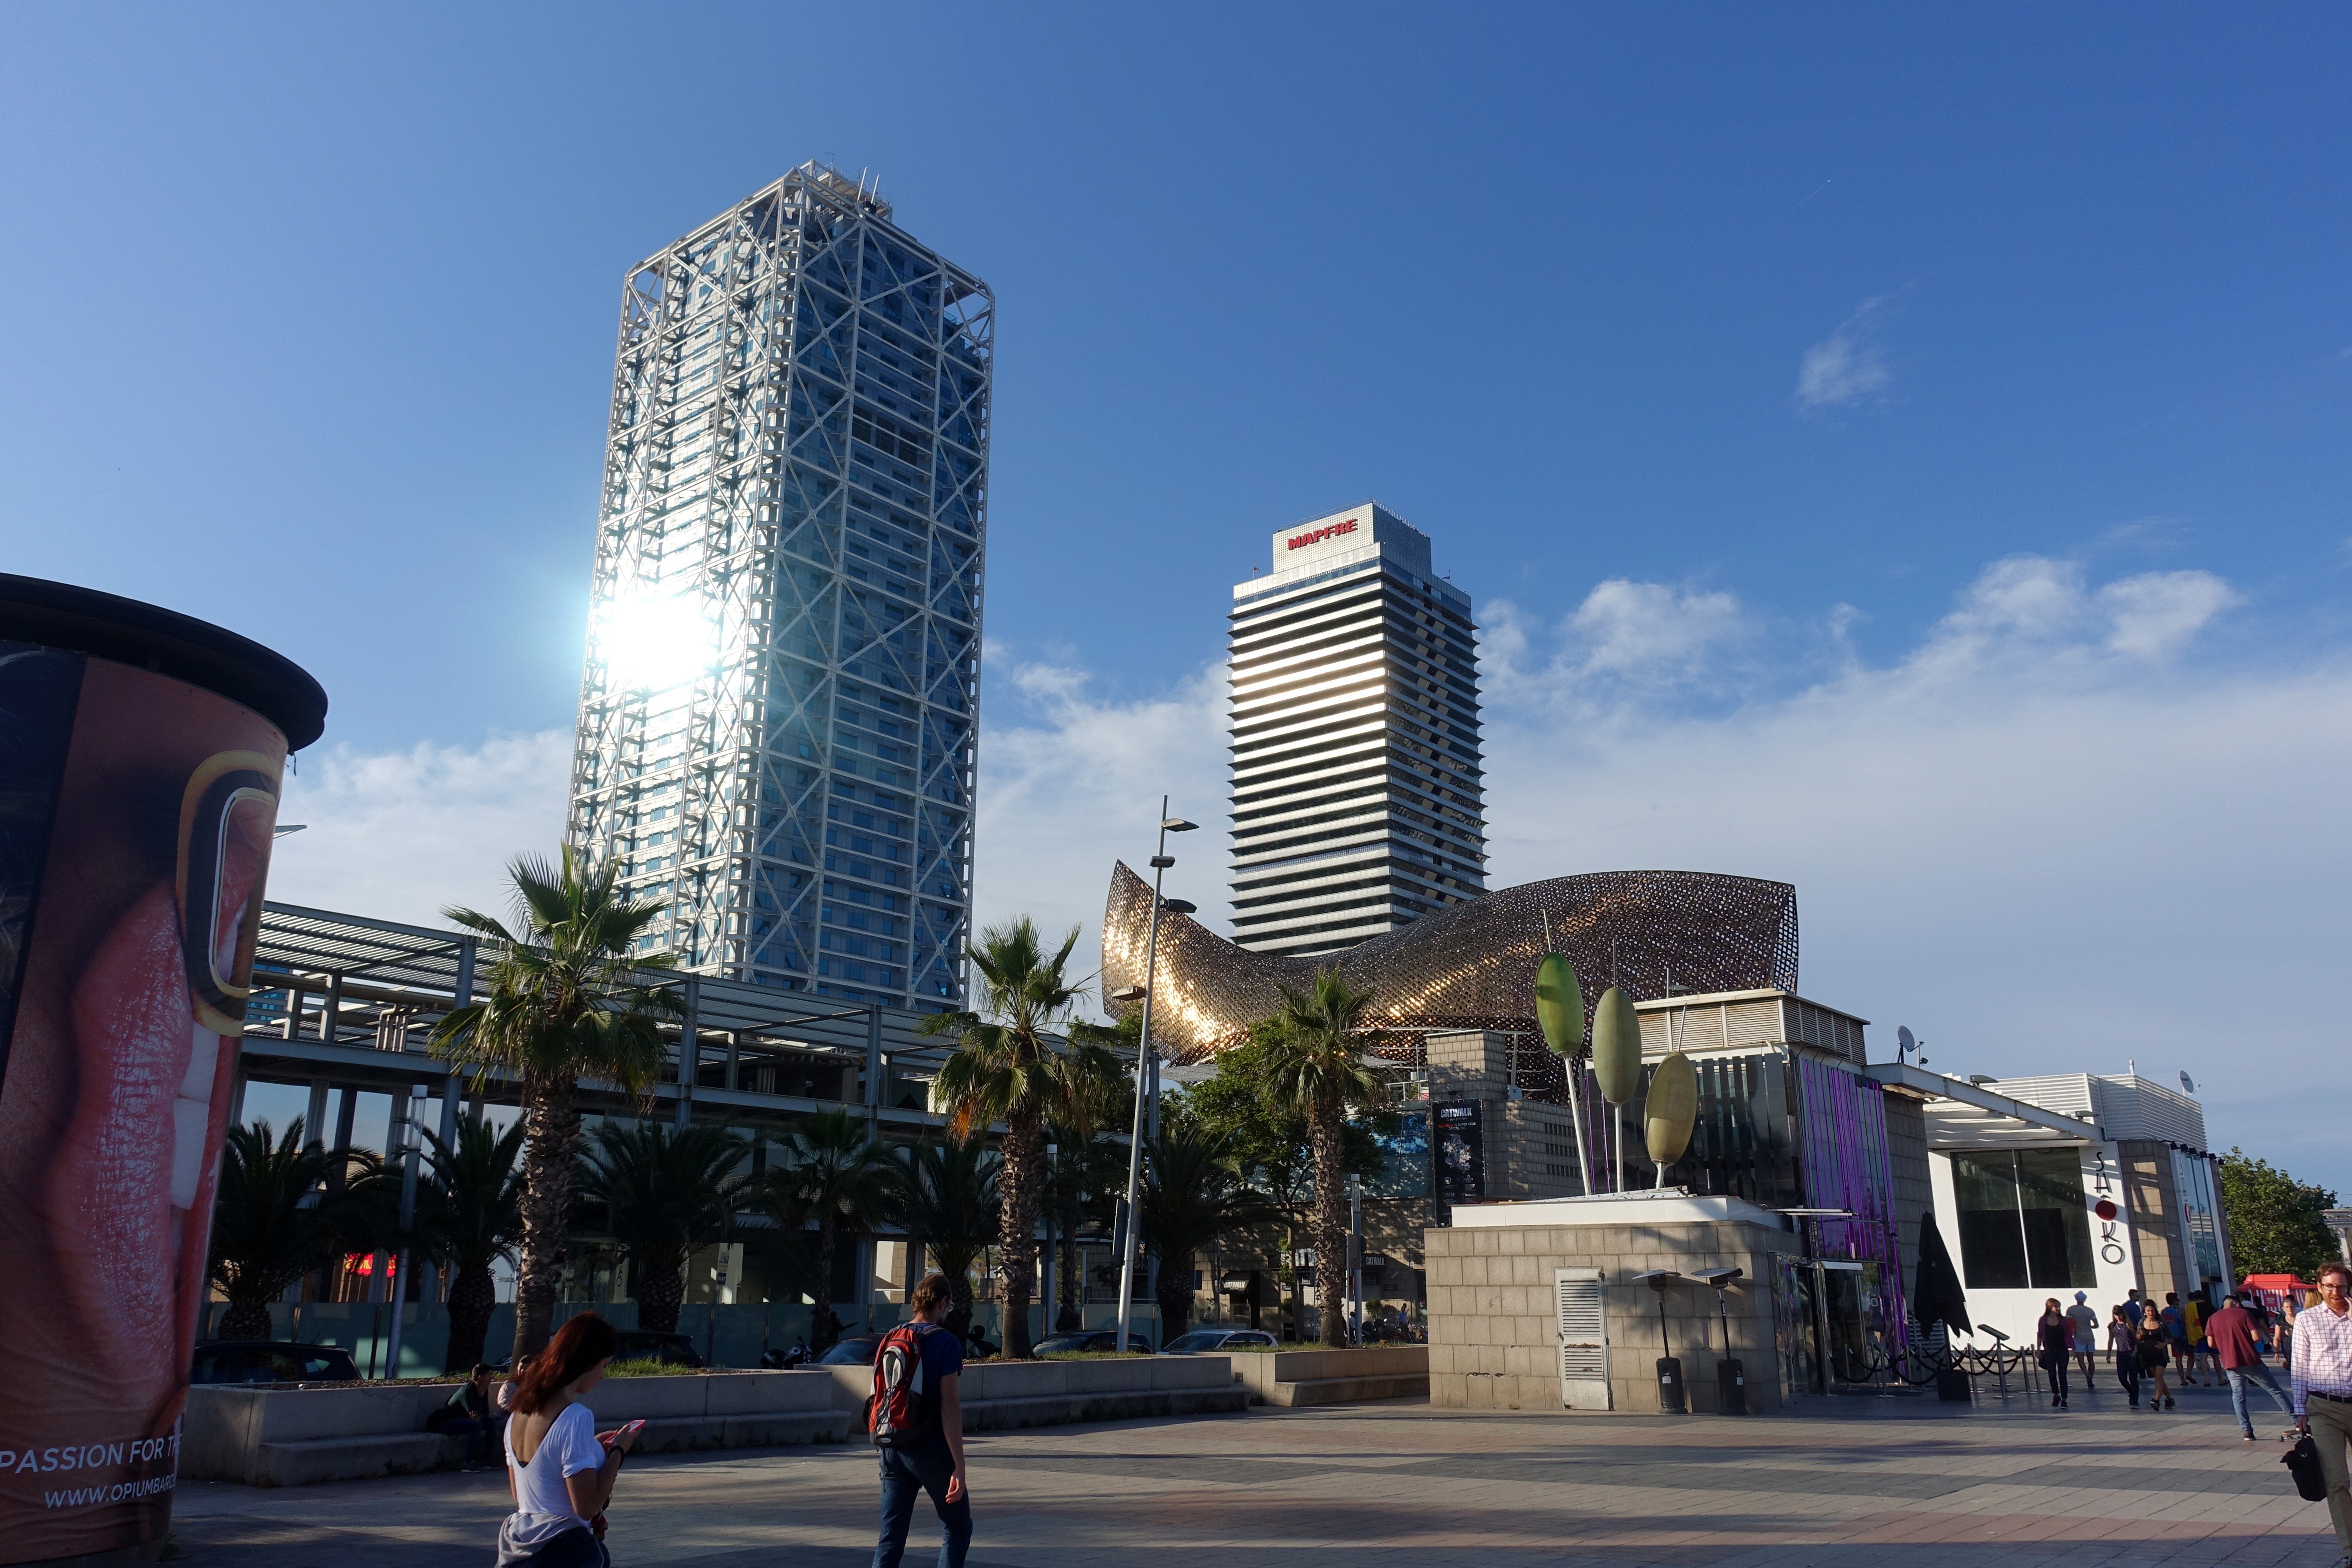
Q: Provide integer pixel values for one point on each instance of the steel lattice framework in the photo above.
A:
(1473, 965)
(798, 453)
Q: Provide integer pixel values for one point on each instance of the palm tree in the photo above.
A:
(945, 1194)
(1082, 1191)
(565, 1001)
(469, 1215)
(1003, 1070)
(1314, 1061)
(836, 1175)
(1193, 1194)
(661, 1194)
(284, 1209)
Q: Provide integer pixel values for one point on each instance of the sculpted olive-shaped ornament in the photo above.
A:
(1672, 1110)
(1616, 1048)
(1559, 1006)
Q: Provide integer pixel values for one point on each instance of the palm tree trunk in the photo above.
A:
(245, 1320)
(660, 1289)
(473, 1297)
(1175, 1296)
(1324, 1125)
(1016, 1182)
(825, 1325)
(550, 1157)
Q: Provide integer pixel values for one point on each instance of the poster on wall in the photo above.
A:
(1459, 1141)
(136, 813)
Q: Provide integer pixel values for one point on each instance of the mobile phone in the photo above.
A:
(632, 1429)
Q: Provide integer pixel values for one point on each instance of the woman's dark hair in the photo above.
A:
(577, 1346)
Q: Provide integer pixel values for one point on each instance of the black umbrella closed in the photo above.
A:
(1937, 1295)
(1938, 1298)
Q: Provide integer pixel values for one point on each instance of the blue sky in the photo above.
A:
(1946, 410)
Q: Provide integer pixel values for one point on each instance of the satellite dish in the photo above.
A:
(1904, 1041)
(2188, 1084)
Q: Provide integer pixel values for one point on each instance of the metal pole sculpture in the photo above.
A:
(1617, 1061)
(1559, 1010)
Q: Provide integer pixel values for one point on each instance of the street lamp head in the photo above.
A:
(1180, 907)
(1128, 993)
(1177, 824)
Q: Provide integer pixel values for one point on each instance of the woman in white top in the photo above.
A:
(559, 1469)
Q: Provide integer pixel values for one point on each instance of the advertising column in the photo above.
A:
(141, 756)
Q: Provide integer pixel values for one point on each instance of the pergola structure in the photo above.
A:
(343, 1001)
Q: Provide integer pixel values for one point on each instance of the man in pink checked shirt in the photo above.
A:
(2322, 1391)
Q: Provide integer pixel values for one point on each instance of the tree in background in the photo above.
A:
(1315, 1062)
(285, 1209)
(944, 1194)
(2277, 1225)
(1193, 1196)
(835, 1174)
(1081, 1193)
(1004, 1070)
(469, 1215)
(661, 1193)
(565, 1001)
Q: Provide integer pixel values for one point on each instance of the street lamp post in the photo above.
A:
(1146, 1080)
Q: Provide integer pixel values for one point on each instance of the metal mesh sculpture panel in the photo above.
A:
(1472, 966)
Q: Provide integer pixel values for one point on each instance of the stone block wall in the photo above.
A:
(1493, 1315)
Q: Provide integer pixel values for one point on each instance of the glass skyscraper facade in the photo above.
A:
(778, 714)
(1357, 803)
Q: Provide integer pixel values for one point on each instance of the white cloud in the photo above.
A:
(1846, 367)
(2053, 836)
(1076, 783)
(396, 835)
(1640, 628)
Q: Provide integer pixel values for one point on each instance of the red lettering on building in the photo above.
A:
(1318, 535)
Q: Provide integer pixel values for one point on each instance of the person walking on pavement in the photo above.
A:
(2176, 1336)
(2322, 1376)
(2232, 1333)
(2054, 1336)
(2123, 1343)
(934, 1462)
(2086, 1318)
(2154, 1350)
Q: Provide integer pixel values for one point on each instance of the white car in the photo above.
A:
(1207, 1342)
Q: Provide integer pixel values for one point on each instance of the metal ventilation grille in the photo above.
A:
(1583, 1349)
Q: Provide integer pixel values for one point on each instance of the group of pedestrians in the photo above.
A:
(561, 1471)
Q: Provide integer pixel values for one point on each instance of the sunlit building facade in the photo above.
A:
(778, 713)
(1358, 791)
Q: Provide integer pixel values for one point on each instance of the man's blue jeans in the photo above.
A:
(925, 1467)
(2259, 1374)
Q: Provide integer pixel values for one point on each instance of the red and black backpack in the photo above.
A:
(905, 1408)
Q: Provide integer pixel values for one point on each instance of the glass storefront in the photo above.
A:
(2022, 1220)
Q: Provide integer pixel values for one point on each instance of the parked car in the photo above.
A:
(1205, 1342)
(1093, 1342)
(671, 1350)
(269, 1361)
(859, 1349)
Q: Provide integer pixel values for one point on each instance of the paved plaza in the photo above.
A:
(1900, 1481)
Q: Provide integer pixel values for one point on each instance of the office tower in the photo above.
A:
(778, 713)
(1355, 718)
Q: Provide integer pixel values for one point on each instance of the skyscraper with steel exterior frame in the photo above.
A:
(1357, 783)
(778, 716)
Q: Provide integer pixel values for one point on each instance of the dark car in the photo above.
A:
(1093, 1342)
(670, 1350)
(857, 1351)
(269, 1361)
(1207, 1342)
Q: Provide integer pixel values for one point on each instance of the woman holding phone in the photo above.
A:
(559, 1468)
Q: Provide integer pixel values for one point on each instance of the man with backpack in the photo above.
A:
(916, 1419)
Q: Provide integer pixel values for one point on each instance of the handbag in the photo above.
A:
(2301, 1462)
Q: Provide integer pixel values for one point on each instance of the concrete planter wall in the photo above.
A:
(1335, 1376)
(293, 1436)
